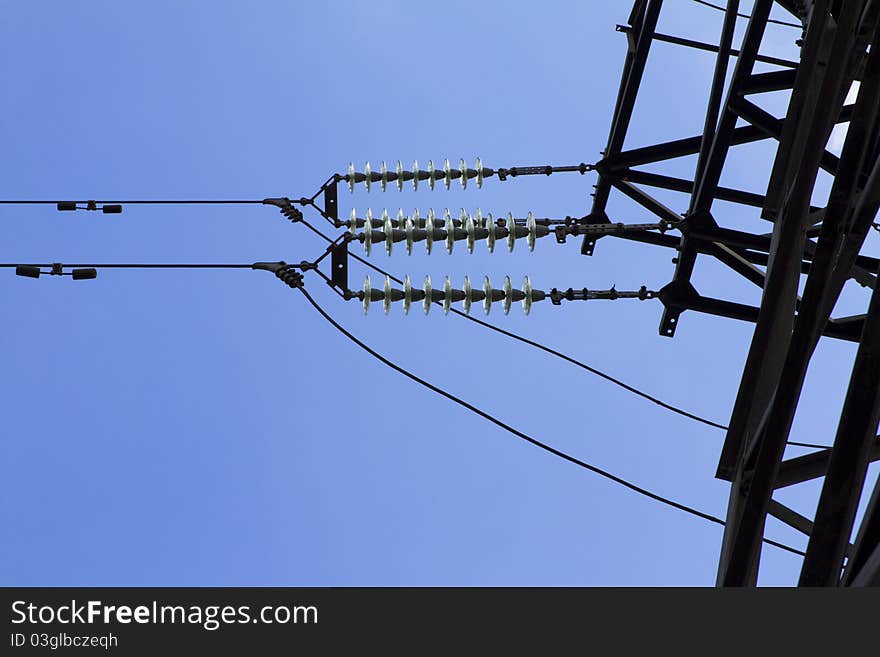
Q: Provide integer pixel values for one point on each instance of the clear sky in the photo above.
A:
(208, 428)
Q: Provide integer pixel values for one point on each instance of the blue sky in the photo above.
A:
(208, 428)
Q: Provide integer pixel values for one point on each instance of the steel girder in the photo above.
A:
(835, 52)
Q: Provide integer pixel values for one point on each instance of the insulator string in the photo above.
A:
(446, 173)
(446, 229)
(507, 295)
(549, 350)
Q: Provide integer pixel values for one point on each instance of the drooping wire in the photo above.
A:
(492, 327)
(487, 325)
(542, 347)
(457, 400)
(399, 369)
(769, 20)
(529, 439)
(559, 354)
(599, 373)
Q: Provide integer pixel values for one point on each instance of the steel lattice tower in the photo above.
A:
(821, 244)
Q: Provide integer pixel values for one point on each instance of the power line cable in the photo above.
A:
(769, 20)
(142, 202)
(415, 378)
(143, 265)
(534, 441)
(487, 325)
(558, 354)
(542, 347)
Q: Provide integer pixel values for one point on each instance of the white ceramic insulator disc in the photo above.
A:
(429, 231)
(407, 294)
(409, 236)
(490, 238)
(487, 290)
(450, 232)
(388, 229)
(511, 232)
(428, 289)
(508, 294)
(367, 291)
(368, 232)
(386, 302)
(533, 231)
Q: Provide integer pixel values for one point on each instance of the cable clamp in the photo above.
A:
(290, 276)
(282, 202)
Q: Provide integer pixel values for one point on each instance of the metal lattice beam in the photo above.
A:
(835, 51)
